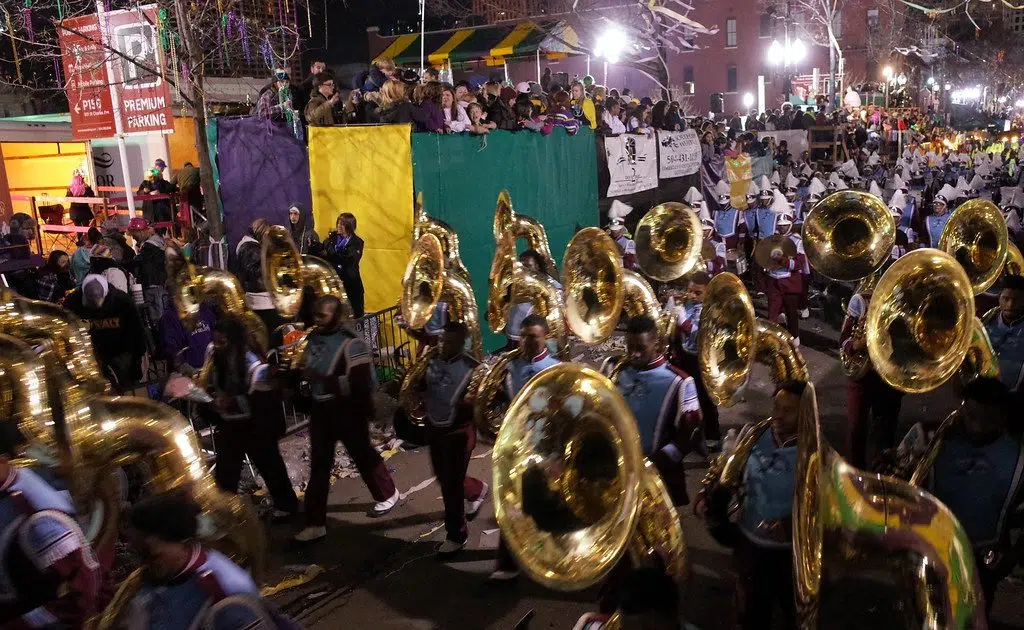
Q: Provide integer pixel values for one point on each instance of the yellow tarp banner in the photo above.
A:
(738, 172)
(367, 171)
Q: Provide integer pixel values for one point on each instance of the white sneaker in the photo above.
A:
(473, 507)
(310, 534)
(804, 314)
(449, 547)
(503, 575)
(385, 506)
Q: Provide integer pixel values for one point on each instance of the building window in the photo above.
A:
(730, 33)
(765, 27)
(687, 74)
(872, 21)
(730, 79)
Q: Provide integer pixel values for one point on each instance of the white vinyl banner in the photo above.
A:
(678, 153)
(632, 163)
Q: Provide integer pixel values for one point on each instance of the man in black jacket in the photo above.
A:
(118, 339)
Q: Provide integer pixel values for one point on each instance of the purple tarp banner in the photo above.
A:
(263, 169)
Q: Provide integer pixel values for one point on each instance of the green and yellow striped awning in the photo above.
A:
(492, 44)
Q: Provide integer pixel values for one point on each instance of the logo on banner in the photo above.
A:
(137, 43)
(631, 164)
(679, 153)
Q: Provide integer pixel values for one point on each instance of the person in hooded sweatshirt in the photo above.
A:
(118, 339)
(300, 222)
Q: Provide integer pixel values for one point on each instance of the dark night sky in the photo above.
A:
(347, 21)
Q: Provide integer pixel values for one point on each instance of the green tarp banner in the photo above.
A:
(550, 178)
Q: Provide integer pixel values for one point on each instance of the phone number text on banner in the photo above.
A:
(632, 163)
(679, 153)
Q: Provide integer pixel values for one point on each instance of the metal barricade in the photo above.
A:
(392, 354)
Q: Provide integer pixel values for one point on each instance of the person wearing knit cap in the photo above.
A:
(118, 338)
(784, 279)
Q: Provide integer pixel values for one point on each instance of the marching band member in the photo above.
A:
(755, 213)
(785, 280)
(696, 201)
(727, 226)
(531, 361)
(664, 402)
(617, 229)
(977, 474)
(1011, 205)
(534, 262)
(714, 265)
(792, 188)
(836, 183)
(905, 215)
(1006, 332)
(872, 405)
(748, 228)
(246, 416)
(452, 435)
(762, 542)
(791, 224)
(185, 585)
(338, 365)
(684, 355)
(936, 222)
(51, 576)
(874, 189)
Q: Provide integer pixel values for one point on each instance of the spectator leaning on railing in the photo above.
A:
(320, 109)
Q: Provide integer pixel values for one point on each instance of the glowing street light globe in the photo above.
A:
(887, 72)
(797, 51)
(611, 44)
(748, 100)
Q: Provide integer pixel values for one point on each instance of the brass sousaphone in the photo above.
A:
(425, 284)
(976, 236)
(921, 325)
(668, 241)
(191, 286)
(849, 236)
(572, 490)
(845, 520)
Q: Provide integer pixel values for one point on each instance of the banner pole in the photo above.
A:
(115, 105)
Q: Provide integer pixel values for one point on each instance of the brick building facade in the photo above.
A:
(728, 62)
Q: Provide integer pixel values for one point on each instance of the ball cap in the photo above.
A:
(138, 223)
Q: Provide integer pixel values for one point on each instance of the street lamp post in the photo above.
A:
(887, 73)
